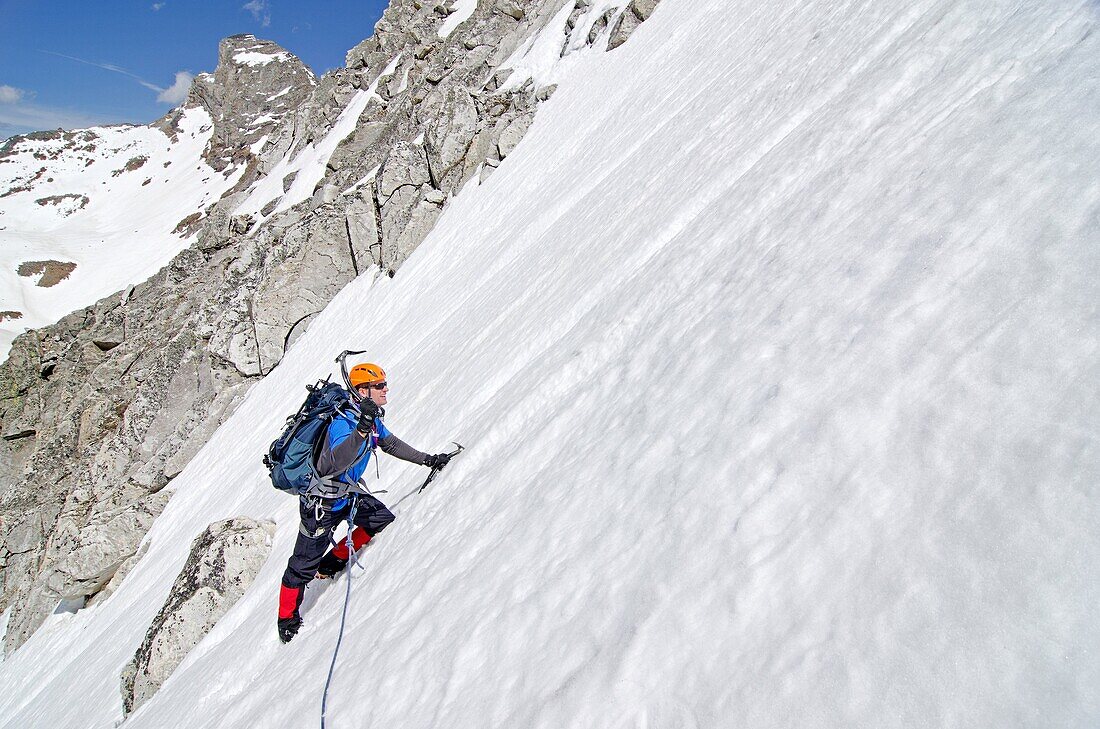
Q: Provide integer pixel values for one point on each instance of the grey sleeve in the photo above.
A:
(331, 461)
(398, 448)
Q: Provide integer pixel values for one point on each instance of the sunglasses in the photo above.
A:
(377, 386)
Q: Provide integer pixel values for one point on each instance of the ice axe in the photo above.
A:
(431, 476)
(344, 372)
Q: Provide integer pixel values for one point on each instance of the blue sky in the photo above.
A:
(72, 64)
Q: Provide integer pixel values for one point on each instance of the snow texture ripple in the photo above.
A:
(774, 348)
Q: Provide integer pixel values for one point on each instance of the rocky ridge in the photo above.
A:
(100, 411)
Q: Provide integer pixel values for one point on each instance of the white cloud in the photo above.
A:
(177, 92)
(11, 95)
(158, 6)
(261, 11)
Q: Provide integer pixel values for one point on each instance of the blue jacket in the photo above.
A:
(346, 453)
(340, 430)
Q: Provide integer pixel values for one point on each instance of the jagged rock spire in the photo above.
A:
(253, 87)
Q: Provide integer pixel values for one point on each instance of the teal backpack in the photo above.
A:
(291, 460)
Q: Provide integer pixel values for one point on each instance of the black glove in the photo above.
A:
(368, 411)
(439, 460)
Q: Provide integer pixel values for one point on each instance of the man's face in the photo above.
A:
(376, 392)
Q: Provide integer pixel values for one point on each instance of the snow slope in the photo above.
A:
(774, 346)
(109, 205)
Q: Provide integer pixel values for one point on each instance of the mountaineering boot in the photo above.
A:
(336, 559)
(288, 628)
(330, 566)
(289, 619)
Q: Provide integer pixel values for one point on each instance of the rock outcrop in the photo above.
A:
(635, 13)
(100, 411)
(223, 562)
(98, 416)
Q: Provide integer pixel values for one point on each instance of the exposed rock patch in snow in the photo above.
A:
(66, 204)
(223, 562)
(50, 273)
(132, 164)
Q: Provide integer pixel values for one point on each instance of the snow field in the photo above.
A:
(774, 348)
(122, 236)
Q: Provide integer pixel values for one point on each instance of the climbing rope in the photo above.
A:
(352, 559)
(344, 614)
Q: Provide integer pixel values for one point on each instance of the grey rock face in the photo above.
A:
(635, 13)
(222, 564)
(511, 135)
(255, 85)
(111, 428)
(450, 130)
(362, 221)
(104, 544)
(319, 262)
(100, 411)
(406, 166)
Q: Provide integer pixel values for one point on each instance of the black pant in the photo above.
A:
(315, 532)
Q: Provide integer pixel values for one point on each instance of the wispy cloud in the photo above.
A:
(158, 6)
(110, 67)
(11, 95)
(261, 11)
(169, 95)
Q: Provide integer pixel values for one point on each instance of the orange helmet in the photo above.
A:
(366, 374)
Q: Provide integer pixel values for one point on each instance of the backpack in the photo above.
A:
(292, 458)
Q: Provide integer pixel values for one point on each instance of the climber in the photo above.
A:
(346, 448)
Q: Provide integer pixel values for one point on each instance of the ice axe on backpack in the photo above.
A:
(344, 372)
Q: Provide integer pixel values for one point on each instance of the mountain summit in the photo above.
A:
(85, 213)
